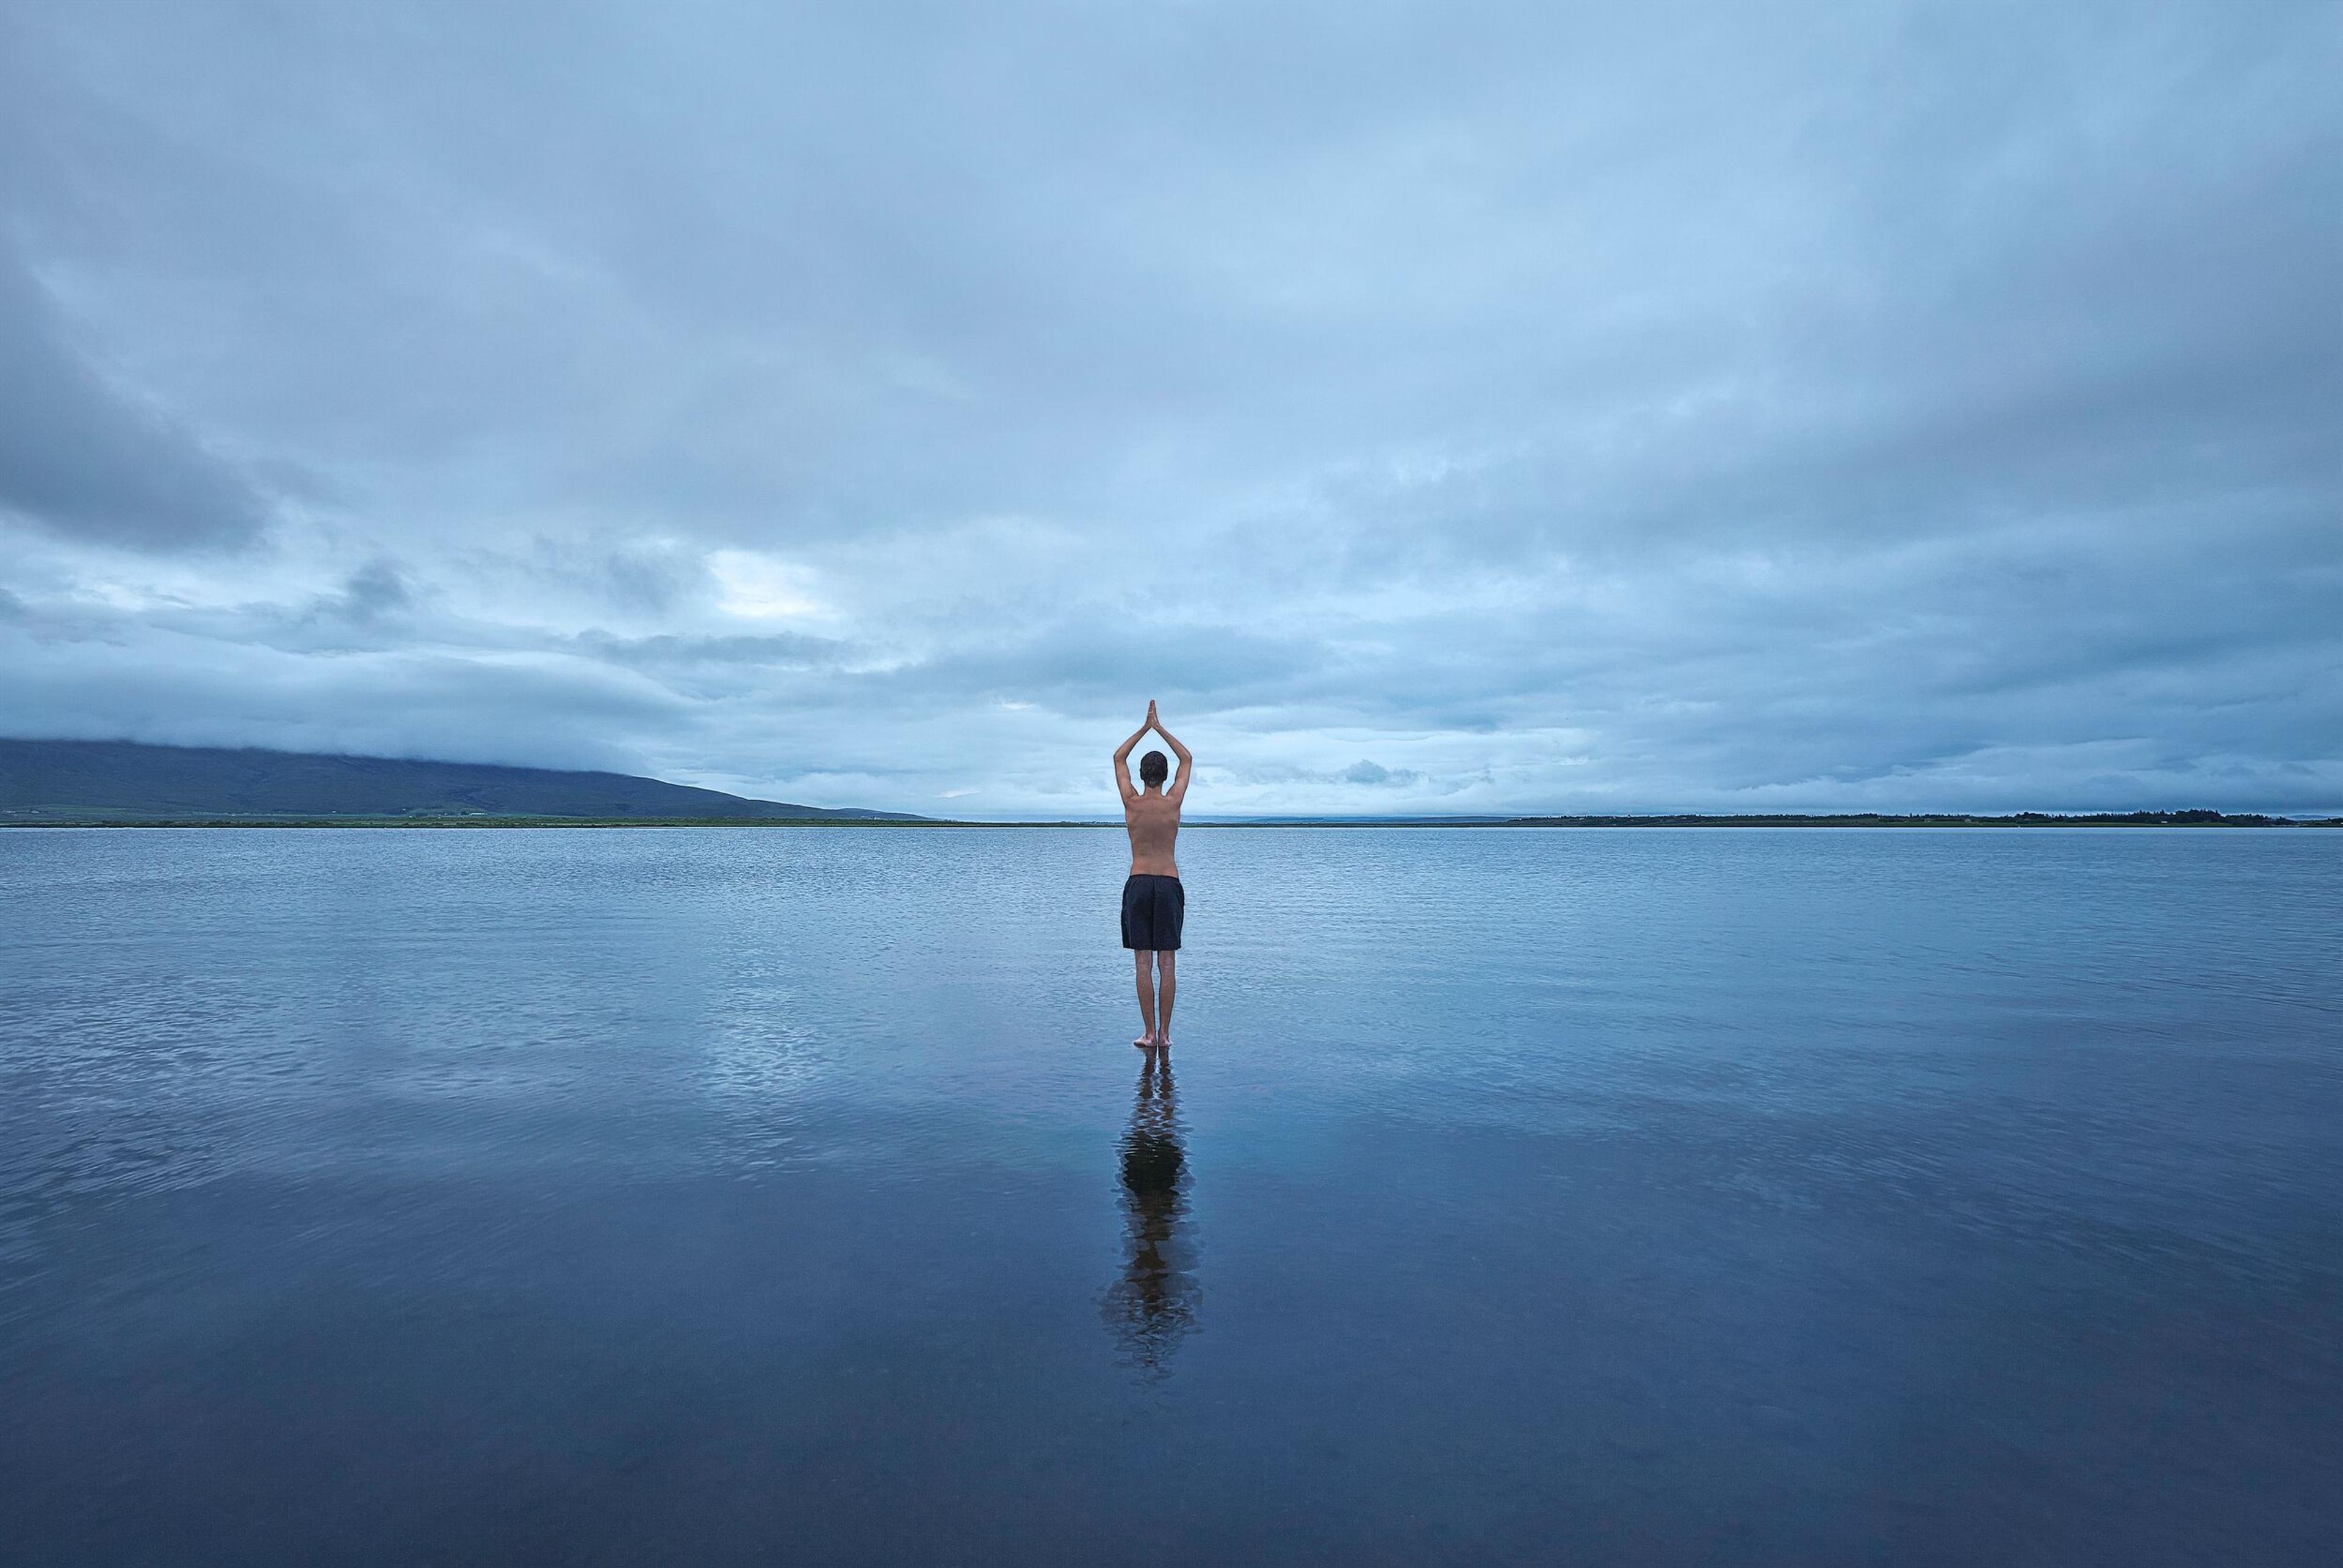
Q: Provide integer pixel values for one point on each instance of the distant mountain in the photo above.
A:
(48, 780)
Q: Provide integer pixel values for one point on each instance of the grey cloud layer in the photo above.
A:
(1457, 408)
(85, 459)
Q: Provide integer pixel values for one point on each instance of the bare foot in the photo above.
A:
(1145, 1042)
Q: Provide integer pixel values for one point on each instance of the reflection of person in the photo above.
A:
(1153, 1305)
(1154, 904)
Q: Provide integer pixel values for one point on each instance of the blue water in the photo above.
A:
(795, 1195)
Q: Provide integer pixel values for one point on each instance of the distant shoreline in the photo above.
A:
(2016, 820)
(61, 783)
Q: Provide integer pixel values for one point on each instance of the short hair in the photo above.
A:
(1152, 768)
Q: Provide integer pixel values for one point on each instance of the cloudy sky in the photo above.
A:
(1448, 407)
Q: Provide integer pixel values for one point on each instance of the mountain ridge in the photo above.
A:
(50, 781)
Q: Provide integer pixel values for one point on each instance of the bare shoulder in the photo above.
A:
(1153, 812)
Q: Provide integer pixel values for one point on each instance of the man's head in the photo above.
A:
(1152, 768)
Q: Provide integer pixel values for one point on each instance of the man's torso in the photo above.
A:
(1154, 824)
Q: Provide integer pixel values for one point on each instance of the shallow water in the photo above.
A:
(746, 1195)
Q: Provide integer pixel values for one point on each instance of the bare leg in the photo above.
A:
(1146, 1001)
(1164, 990)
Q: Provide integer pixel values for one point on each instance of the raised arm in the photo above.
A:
(1179, 790)
(1122, 764)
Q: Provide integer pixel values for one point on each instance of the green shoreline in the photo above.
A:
(2017, 819)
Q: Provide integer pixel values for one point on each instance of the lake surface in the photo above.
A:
(760, 1195)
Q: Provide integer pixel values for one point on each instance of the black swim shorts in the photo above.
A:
(1152, 910)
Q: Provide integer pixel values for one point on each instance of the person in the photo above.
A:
(1154, 904)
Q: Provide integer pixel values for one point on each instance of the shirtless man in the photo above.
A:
(1153, 902)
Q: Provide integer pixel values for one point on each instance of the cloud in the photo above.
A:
(83, 458)
(375, 590)
(1482, 406)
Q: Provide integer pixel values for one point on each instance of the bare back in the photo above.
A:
(1152, 819)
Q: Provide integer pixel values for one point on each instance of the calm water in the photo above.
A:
(703, 1197)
